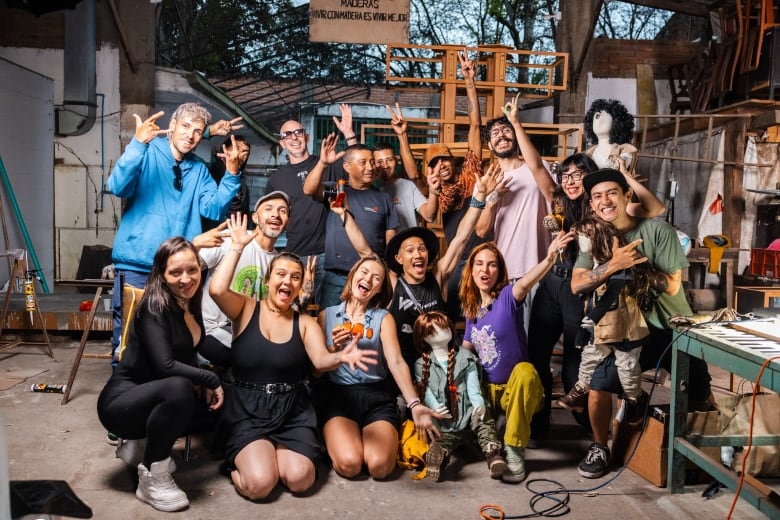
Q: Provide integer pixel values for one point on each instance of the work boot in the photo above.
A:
(576, 400)
(515, 464)
(157, 488)
(435, 460)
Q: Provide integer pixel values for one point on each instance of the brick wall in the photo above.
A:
(618, 58)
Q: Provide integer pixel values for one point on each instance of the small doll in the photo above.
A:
(448, 378)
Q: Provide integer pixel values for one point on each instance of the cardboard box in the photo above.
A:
(651, 457)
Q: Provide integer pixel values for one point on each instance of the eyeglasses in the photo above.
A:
(177, 185)
(298, 132)
(576, 175)
(501, 130)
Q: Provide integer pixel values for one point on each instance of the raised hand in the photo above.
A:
(345, 123)
(211, 238)
(356, 357)
(626, 256)
(147, 130)
(231, 156)
(397, 119)
(467, 67)
(492, 178)
(328, 153)
(237, 224)
(308, 275)
(511, 110)
(224, 127)
(434, 180)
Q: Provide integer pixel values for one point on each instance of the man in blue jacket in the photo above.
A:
(167, 189)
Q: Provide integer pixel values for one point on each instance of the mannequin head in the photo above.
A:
(433, 329)
(609, 115)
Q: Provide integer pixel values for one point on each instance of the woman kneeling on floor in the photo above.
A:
(270, 423)
(157, 392)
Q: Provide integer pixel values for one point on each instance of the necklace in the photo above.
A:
(184, 303)
(275, 311)
(483, 310)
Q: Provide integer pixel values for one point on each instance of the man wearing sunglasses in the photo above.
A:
(306, 229)
(167, 189)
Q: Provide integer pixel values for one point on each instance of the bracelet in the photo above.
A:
(414, 402)
(479, 204)
(238, 250)
(351, 137)
(436, 192)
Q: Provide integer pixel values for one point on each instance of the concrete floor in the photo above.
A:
(46, 440)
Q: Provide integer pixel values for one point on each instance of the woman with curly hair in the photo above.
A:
(448, 378)
(494, 330)
(610, 127)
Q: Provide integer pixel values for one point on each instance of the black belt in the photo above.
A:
(561, 271)
(268, 388)
(340, 272)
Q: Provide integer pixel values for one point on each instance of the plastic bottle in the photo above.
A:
(48, 388)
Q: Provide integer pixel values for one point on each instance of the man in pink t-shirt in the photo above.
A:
(515, 212)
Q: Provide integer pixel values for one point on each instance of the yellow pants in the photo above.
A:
(520, 398)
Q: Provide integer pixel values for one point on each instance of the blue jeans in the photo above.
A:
(135, 279)
(332, 285)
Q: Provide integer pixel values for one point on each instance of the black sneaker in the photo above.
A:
(595, 463)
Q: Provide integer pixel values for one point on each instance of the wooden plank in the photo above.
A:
(766, 329)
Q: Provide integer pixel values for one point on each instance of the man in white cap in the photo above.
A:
(271, 215)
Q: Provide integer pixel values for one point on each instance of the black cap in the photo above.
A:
(604, 175)
(427, 236)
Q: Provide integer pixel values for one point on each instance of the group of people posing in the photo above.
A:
(384, 347)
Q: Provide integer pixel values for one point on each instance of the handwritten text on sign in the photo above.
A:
(359, 21)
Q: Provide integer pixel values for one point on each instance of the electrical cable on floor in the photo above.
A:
(745, 459)
(560, 506)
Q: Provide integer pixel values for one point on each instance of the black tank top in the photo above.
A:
(256, 359)
(427, 297)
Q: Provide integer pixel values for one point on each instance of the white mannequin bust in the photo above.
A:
(606, 153)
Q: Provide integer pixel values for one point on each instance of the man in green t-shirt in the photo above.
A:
(647, 240)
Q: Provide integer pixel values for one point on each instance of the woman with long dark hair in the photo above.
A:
(157, 392)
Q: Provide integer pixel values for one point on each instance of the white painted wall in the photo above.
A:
(82, 216)
(27, 113)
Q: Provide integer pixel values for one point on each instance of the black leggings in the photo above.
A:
(555, 310)
(160, 411)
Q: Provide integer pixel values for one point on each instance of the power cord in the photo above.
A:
(560, 506)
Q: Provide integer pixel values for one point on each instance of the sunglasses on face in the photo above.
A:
(298, 132)
(177, 184)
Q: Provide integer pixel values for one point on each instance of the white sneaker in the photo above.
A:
(131, 451)
(157, 488)
(515, 464)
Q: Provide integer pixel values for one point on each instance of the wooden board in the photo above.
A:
(769, 329)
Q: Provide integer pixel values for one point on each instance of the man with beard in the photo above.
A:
(516, 216)
(167, 189)
(306, 231)
(271, 215)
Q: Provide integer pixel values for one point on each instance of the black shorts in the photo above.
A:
(361, 403)
(605, 376)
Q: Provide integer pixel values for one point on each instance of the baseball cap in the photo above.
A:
(270, 196)
(604, 175)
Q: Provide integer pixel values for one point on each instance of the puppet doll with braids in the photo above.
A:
(448, 377)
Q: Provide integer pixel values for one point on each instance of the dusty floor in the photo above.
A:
(46, 440)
